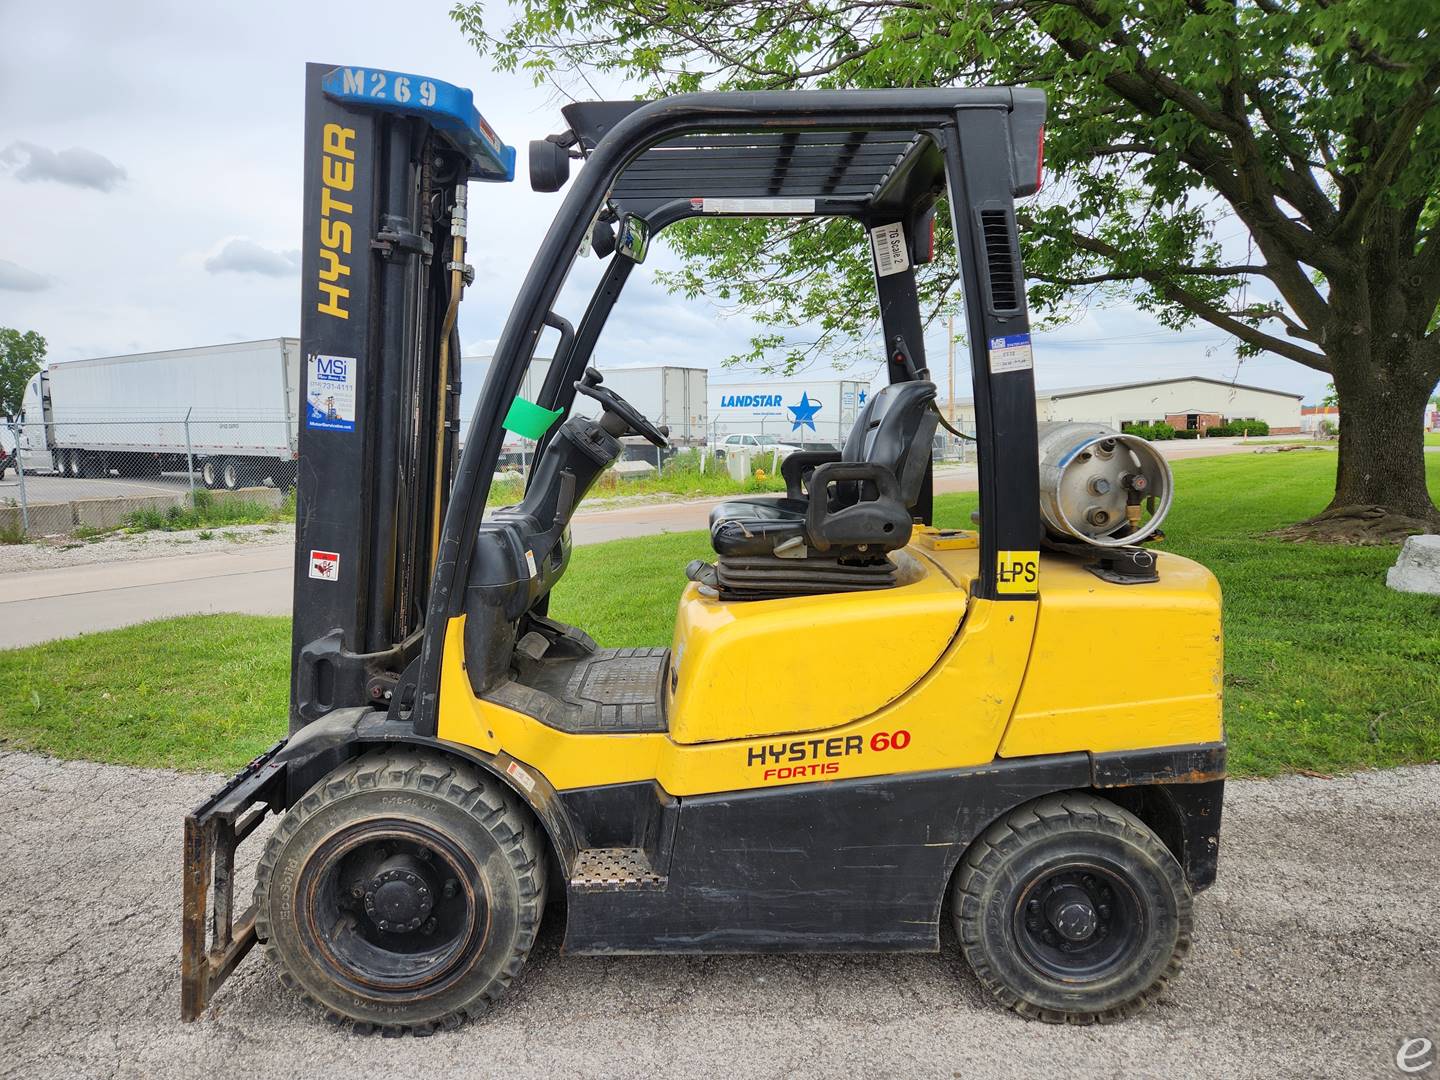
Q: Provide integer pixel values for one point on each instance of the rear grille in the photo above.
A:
(1000, 260)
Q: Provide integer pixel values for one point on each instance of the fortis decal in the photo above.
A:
(819, 757)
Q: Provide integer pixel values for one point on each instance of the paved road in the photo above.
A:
(1314, 957)
(45, 604)
(59, 489)
(39, 605)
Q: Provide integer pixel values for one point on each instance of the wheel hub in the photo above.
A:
(400, 895)
(1070, 911)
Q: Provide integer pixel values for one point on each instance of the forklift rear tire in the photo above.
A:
(402, 892)
(1072, 911)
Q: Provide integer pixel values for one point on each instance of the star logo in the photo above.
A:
(804, 413)
(863, 396)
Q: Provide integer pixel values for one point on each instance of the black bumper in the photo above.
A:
(1179, 791)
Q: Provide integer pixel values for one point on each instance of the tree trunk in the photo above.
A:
(1381, 472)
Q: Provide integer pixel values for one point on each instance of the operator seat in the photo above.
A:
(841, 513)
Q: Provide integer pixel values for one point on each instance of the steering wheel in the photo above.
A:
(614, 403)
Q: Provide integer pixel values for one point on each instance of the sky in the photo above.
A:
(150, 195)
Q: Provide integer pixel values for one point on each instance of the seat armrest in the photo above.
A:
(883, 521)
(796, 469)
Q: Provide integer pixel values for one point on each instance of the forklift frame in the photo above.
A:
(369, 647)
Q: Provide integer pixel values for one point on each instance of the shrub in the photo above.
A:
(1186, 433)
(1248, 425)
(1157, 432)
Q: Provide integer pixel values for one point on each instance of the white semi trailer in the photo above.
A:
(231, 410)
(810, 413)
(674, 397)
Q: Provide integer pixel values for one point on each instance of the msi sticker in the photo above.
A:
(325, 565)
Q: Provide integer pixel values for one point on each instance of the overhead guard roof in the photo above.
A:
(801, 145)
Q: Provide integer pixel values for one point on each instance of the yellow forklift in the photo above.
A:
(864, 725)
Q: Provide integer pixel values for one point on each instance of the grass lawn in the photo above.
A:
(1326, 668)
(682, 478)
(1432, 438)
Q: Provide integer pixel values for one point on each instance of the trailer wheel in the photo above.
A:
(1070, 910)
(72, 463)
(230, 474)
(210, 472)
(91, 465)
(402, 892)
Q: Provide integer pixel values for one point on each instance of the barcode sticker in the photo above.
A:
(891, 257)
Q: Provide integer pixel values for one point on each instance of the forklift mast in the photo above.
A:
(387, 159)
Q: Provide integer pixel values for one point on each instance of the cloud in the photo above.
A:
(243, 256)
(17, 279)
(76, 167)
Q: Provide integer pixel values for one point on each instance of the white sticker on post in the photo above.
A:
(756, 206)
(891, 256)
(1011, 353)
(325, 565)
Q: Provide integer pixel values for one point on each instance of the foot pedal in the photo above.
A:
(616, 869)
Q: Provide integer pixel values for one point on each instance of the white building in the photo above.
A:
(1192, 401)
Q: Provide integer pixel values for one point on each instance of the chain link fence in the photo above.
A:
(97, 471)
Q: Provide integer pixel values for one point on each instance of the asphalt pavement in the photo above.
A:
(42, 604)
(1314, 956)
(61, 489)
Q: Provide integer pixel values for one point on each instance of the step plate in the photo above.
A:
(614, 869)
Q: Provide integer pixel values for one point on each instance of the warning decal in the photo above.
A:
(1011, 353)
(891, 257)
(330, 393)
(325, 565)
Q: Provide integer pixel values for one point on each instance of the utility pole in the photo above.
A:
(950, 352)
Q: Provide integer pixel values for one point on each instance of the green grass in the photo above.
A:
(1327, 670)
(1432, 438)
(681, 478)
(208, 510)
(201, 692)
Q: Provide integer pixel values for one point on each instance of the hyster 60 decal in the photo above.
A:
(799, 758)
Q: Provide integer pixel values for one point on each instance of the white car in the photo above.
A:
(758, 446)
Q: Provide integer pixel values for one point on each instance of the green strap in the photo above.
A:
(529, 420)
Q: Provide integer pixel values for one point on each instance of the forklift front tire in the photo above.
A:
(1072, 911)
(402, 892)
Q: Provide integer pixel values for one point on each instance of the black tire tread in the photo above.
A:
(484, 798)
(1049, 815)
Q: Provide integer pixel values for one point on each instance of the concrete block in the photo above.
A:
(1418, 568)
(46, 519)
(634, 469)
(108, 513)
(265, 496)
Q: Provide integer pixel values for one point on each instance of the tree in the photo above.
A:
(20, 356)
(1307, 128)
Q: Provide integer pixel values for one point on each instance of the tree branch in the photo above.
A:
(1197, 306)
(1378, 177)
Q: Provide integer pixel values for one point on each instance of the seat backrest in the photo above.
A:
(896, 429)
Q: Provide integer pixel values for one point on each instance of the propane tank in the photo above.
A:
(1094, 482)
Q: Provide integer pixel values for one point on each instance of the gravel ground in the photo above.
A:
(53, 553)
(1315, 956)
